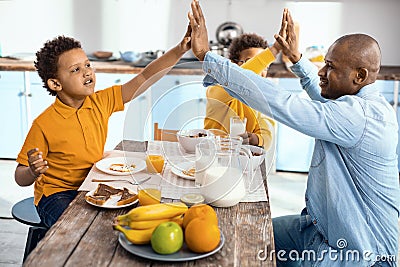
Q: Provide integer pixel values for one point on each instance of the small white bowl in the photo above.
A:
(188, 139)
(258, 155)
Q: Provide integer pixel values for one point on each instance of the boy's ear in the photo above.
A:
(54, 84)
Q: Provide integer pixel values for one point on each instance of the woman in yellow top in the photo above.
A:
(221, 106)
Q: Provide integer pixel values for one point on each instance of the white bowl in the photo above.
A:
(258, 155)
(188, 139)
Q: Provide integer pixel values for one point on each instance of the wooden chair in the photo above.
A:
(25, 212)
(164, 134)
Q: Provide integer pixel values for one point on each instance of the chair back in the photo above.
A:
(164, 134)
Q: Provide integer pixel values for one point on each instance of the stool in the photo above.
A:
(25, 212)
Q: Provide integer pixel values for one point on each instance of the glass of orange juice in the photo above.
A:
(154, 163)
(149, 194)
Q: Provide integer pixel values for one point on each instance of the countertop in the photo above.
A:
(276, 70)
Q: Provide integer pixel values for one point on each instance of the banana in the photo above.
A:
(153, 212)
(137, 237)
(145, 224)
(152, 223)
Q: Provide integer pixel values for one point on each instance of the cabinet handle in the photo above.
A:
(25, 94)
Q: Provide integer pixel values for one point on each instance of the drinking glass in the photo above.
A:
(149, 193)
(237, 125)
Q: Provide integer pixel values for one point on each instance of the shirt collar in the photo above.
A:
(368, 89)
(66, 111)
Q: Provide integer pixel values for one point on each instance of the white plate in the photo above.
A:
(104, 165)
(183, 166)
(184, 254)
(111, 203)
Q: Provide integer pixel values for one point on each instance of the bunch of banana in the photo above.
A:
(138, 224)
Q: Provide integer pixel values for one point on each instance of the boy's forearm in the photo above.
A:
(152, 73)
(164, 63)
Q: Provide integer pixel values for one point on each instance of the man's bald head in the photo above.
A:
(361, 51)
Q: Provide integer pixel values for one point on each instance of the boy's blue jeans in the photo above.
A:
(50, 208)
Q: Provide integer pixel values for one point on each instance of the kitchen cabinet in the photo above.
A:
(126, 124)
(178, 102)
(13, 113)
(293, 149)
(22, 99)
(175, 102)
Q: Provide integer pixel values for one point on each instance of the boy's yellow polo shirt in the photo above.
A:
(71, 140)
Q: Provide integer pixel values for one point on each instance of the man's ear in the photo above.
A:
(54, 84)
(361, 76)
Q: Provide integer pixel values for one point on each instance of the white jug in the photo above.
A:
(219, 171)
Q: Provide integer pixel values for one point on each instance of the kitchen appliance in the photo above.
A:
(225, 33)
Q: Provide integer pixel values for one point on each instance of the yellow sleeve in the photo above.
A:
(264, 130)
(259, 62)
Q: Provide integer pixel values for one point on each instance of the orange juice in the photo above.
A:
(154, 163)
(149, 196)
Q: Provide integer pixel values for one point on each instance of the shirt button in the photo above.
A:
(326, 241)
(314, 222)
(226, 84)
(209, 71)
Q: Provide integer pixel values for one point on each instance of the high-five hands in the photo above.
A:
(199, 40)
(287, 38)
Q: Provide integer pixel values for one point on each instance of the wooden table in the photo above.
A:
(83, 236)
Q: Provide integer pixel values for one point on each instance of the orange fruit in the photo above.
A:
(200, 210)
(202, 235)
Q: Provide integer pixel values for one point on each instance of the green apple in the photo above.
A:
(167, 238)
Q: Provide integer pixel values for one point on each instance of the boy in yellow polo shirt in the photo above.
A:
(69, 136)
(221, 106)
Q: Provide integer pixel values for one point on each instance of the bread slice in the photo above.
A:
(126, 197)
(97, 200)
(106, 190)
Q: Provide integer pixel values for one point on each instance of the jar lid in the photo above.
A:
(192, 199)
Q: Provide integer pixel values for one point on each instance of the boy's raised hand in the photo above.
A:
(199, 35)
(186, 41)
(287, 38)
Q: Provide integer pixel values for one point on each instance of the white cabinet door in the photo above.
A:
(39, 97)
(13, 118)
(293, 149)
(127, 124)
(178, 102)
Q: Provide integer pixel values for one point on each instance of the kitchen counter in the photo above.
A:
(275, 70)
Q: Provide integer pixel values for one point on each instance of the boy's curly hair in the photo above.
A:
(47, 58)
(243, 42)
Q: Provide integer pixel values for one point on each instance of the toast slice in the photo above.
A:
(126, 197)
(106, 190)
(97, 200)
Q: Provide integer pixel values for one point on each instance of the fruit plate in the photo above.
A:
(184, 254)
(111, 203)
(105, 164)
(183, 166)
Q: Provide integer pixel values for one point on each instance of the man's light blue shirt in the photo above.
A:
(353, 183)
